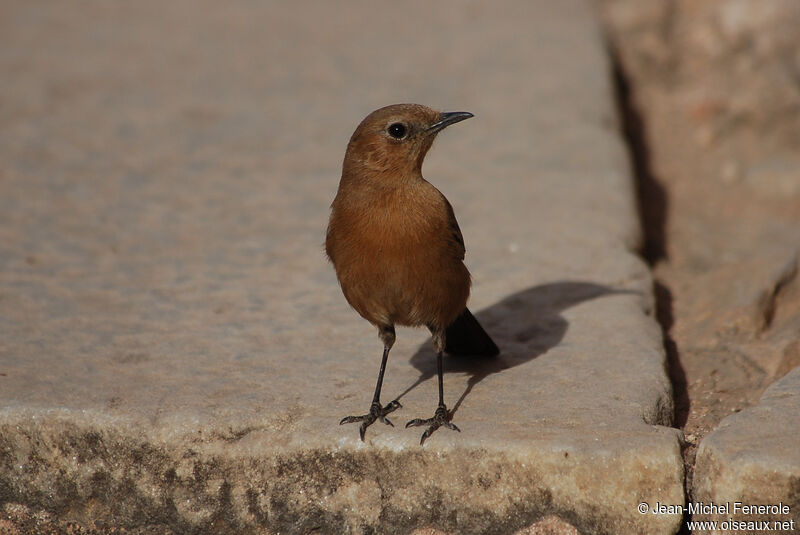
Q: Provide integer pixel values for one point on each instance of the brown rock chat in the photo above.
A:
(397, 249)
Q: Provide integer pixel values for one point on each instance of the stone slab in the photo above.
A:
(174, 349)
(753, 458)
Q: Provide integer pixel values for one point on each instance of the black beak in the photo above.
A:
(447, 118)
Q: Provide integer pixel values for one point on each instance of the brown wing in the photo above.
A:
(455, 232)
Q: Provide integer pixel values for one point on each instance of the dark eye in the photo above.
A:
(397, 130)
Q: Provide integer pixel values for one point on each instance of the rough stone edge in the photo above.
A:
(78, 470)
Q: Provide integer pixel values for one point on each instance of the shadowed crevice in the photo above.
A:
(652, 201)
(653, 205)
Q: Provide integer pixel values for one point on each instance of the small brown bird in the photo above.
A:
(397, 249)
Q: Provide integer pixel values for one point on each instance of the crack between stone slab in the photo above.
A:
(652, 204)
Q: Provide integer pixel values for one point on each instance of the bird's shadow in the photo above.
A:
(524, 325)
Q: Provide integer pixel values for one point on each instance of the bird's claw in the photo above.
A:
(440, 419)
(376, 412)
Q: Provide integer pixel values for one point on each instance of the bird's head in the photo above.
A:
(394, 140)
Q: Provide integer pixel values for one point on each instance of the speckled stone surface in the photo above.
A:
(174, 348)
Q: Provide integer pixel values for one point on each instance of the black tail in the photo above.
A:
(466, 337)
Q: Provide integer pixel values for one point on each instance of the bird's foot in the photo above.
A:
(440, 418)
(376, 412)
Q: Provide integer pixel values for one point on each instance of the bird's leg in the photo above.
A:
(441, 417)
(376, 411)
